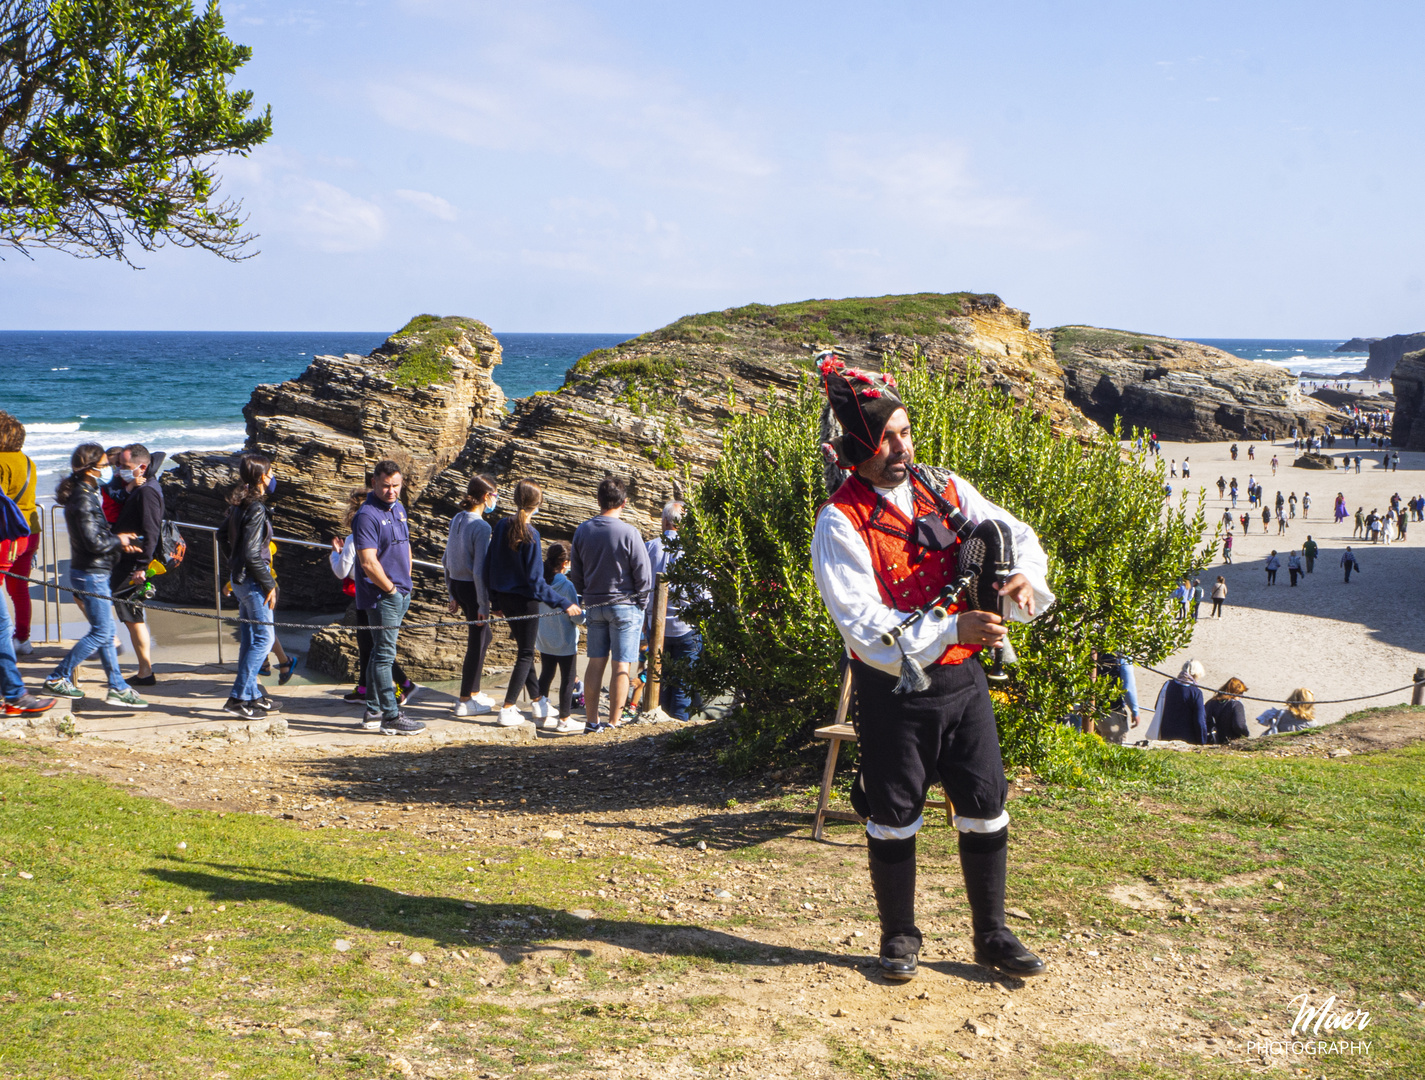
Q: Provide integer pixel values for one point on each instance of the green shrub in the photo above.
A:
(1114, 551)
(641, 369)
(421, 358)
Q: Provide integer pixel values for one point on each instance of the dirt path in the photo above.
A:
(802, 997)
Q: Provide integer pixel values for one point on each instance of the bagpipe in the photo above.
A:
(984, 562)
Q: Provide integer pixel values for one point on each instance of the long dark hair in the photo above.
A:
(85, 457)
(527, 500)
(554, 560)
(354, 498)
(477, 492)
(251, 469)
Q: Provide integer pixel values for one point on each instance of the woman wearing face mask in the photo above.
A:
(514, 578)
(465, 582)
(249, 536)
(93, 551)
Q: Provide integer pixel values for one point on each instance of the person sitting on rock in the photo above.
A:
(1300, 712)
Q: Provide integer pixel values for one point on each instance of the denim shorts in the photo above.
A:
(618, 624)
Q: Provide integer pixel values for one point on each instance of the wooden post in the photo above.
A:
(832, 753)
(655, 644)
(1417, 695)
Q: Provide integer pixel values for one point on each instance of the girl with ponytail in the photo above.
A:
(465, 551)
(514, 580)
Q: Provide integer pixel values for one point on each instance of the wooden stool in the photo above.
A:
(838, 733)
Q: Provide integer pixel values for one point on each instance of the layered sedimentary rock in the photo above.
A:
(1389, 351)
(415, 399)
(1180, 389)
(1357, 344)
(650, 411)
(1408, 379)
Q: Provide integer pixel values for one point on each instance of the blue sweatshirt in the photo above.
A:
(520, 571)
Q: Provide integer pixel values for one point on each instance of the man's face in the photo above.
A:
(388, 488)
(890, 465)
(126, 461)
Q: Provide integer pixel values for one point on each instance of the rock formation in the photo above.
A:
(415, 399)
(1180, 389)
(650, 410)
(1357, 345)
(1387, 352)
(1408, 379)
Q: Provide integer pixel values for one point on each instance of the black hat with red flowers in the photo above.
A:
(863, 403)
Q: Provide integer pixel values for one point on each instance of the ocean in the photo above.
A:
(185, 391)
(1294, 354)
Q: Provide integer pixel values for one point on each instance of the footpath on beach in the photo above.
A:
(1338, 640)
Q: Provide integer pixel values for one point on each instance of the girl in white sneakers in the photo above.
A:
(558, 644)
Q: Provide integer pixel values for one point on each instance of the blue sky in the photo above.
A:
(1242, 169)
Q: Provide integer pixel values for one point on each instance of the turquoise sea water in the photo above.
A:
(1294, 354)
(185, 391)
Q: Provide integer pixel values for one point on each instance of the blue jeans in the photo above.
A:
(616, 626)
(99, 610)
(678, 697)
(10, 682)
(1130, 688)
(254, 639)
(380, 689)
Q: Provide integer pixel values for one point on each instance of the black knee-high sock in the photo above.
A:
(982, 861)
(892, 865)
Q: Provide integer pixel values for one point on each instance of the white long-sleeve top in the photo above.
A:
(343, 562)
(841, 562)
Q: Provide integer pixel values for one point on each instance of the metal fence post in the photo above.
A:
(58, 596)
(217, 596)
(44, 572)
(1417, 694)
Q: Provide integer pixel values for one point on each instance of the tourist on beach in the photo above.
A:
(1197, 595)
(1219, 594)
(558, 644)
(1305, 505)
(1348, 561)
(1395, 461)
(382, 535)
(248, 531)
(609, 567)
(1293, 567)
(1227, 549)
(1187, 472)
(1233, 488)
(343, 563)
(19, 479)
(93, 551)
(1182, 594)
(1360, 529)
(1274, 464)
(1358, 463)
(514, 579)
(464, 562)
(1308, 551)
(1173, 468)
(1282, 523)
(1340, 512)
(1373, 527)
(944, 730)
(141, 514)
(1234, 451)
(1400, 520)
(1272, 565)
(1251, 453)
(1246, 521)
(1222, 487)
(1291, 504)
(1226, 718)
(1298, 713)
(1266, 520)
(1181, 713)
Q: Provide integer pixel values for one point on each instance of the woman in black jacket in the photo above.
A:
(1226, 719)
(93, 551)
(249, 534)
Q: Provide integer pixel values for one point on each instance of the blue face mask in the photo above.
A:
(271, 484)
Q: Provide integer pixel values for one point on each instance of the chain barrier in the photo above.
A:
(150, 606)
(1280, 701)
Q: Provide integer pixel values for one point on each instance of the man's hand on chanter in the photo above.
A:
(980, 628)
(1020, 591)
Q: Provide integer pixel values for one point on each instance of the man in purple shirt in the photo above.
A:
(382, 537)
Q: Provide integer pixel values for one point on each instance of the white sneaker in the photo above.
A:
(23, 648)
(509, 717)
(473, 707)
(550, 723)
(371, 720)
(540, 708)
(485, 700)
(569, 726)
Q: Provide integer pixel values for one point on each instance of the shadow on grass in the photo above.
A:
(513, 930)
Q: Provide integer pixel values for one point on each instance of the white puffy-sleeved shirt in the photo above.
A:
(841, 562)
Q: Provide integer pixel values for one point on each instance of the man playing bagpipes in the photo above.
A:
(889, 553)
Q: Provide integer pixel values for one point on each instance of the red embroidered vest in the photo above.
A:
(908, 575)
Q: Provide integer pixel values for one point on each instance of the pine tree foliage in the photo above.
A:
(111, 115)
(1115, 552)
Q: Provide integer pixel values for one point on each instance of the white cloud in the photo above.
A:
(433, 205)
(333, 220)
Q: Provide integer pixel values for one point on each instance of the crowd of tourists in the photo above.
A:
(598, 587)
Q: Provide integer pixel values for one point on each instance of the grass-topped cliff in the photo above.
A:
(421, 349)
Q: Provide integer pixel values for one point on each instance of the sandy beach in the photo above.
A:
(1339, 640)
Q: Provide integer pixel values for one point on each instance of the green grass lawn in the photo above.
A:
(172, 943)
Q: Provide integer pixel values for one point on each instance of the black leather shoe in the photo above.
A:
(898, 968)
(1005, 952)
